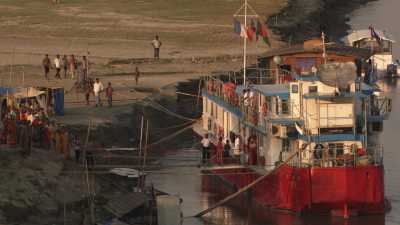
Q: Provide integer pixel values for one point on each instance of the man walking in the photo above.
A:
(65, 65)
(156, 45)
(72, 66)
(97, 88)
(137, 75)
(57, 65)
(85, 67)
(46, 66)
(109, 93)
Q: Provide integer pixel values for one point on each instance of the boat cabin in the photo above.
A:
(381, 51)
(304, 59)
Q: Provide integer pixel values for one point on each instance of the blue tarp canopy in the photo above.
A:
(280, 90)
(7, 90)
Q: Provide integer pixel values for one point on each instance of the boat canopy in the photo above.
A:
(281, 90)
(358, 35)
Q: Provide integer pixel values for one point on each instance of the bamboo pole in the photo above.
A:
(247, 187)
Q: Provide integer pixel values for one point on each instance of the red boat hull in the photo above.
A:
(338, 191)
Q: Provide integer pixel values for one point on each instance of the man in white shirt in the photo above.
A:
(57, 65)
(236, 147)
(205, 143)
(97, 88)
(156, 45)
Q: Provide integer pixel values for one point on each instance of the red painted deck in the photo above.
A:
(315, 190)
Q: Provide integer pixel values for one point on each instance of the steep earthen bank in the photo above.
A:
(304, 19)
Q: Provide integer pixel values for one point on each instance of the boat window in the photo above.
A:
(336, 149)
(285, 106)
(295, 88)
(285, 145)
(312, 89)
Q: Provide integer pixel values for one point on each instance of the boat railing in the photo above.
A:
(346, 156)
(381, 106)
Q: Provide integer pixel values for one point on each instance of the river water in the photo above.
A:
(184, 179)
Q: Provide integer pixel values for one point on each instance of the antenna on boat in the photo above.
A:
(244, 14)
(324, 55)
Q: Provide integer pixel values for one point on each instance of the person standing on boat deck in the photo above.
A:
(219, 151)
(57, 65)
(236, 147)
(205, 143)
(46, 66)
(137, 75)
(227, 148)
(65, 65)
(97, 88)
(252, 151)
(156, 45)
(109, 94)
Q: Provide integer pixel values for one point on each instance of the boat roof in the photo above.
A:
(358, 35)
(281, 90)
(335, 48)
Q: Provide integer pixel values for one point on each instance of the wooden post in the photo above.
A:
(140, 149)
(142, 178)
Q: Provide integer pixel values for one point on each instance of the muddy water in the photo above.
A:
(384, 15)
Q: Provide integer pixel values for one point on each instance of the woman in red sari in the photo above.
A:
(252, 147)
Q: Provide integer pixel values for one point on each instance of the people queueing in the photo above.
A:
(206, 144)
(57, 65)
(72, 66)
(219, 151)
(76, 145)
(156, 43)
(26, 138)
(46, 64)
(109, 94)
(65, 65)
(137, 75)
(97, 89)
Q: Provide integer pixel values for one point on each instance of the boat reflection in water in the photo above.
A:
(248, 215)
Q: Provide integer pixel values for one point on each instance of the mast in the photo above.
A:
(239, 13)
(245, 45)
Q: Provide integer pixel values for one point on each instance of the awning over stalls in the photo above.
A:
(280, 90)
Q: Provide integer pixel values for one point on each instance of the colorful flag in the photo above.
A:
(236, 26)
(375, 35)
(264, 34)
(243, 32)
(250, 33)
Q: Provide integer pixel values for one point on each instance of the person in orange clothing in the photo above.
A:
(12, 132)
(220, 151)
(65, 143)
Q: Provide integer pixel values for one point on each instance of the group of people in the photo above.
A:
(69, 66)
(29, 126)
(246, 154)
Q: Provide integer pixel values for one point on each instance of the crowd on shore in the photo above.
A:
(28, 126)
